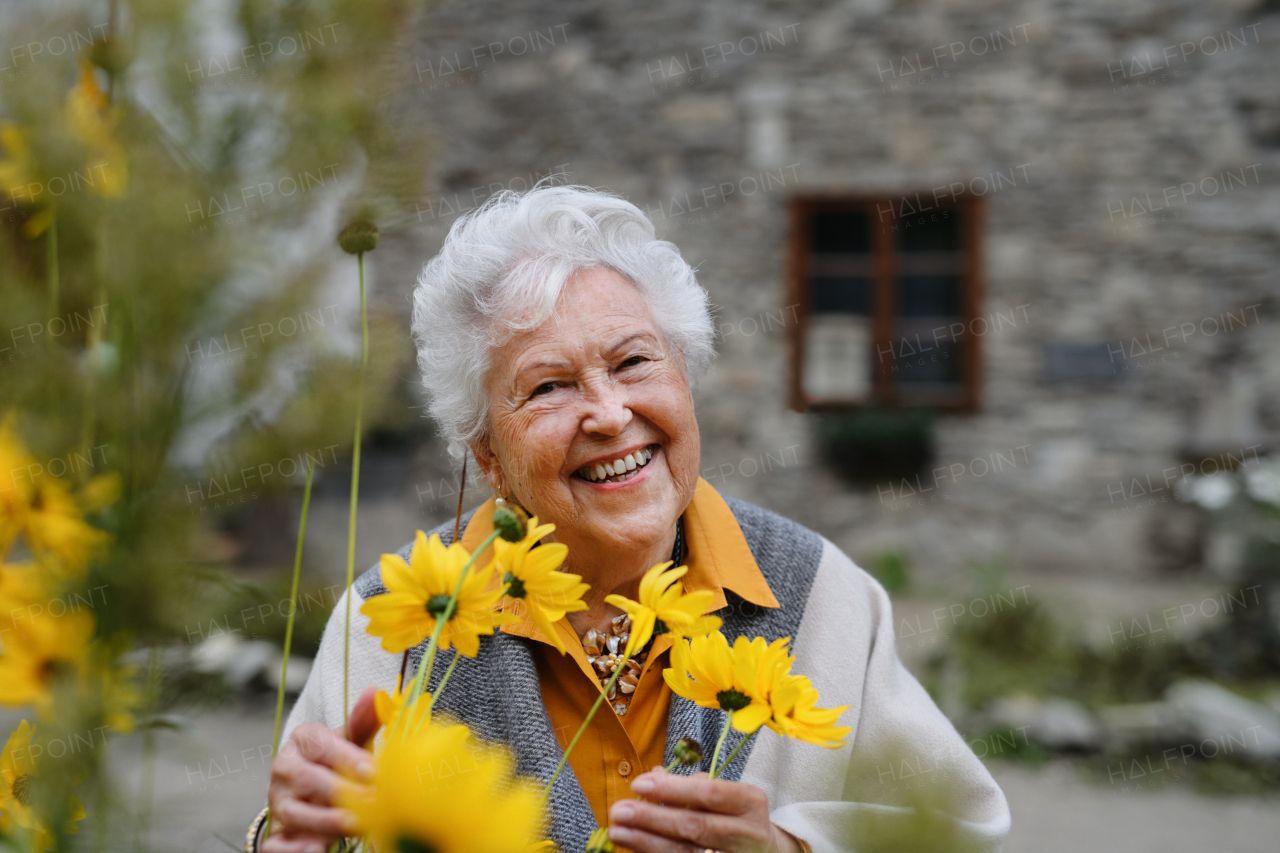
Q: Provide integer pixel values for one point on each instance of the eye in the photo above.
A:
(632, 362)
(544, 388)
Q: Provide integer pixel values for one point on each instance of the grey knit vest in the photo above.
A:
(497, 693)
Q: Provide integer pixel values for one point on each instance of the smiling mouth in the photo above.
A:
(619, 470)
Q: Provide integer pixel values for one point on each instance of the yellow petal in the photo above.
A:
(752, 717)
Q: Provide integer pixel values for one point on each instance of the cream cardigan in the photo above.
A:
(903, 759)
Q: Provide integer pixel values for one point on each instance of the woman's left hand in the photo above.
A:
(696, 813)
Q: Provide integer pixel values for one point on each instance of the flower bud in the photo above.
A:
(510, 522)
(358, 237)
(689, 751)
(111, 54)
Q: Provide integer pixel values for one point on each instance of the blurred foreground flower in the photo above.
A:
(17, 779)
(17, 176)
(665, 607)
(419, 592)
(476, 803)
(531, 575)
(93, 123)
(40, 648)
(44, 509)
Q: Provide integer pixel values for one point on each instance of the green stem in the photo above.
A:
(293, 607)
(724, 733)
(423, 675)
(51, 269)
(675, 762)
(355, 494)
(445, 680)
(733, 754)
(440, 687)
(147, 784)
(546, 792)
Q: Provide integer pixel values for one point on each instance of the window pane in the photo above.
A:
(931, 232)
(840, 231)
(929, 296)
(840, 296)
(836, 363)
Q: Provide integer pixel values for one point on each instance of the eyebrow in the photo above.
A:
(561, 365)
(539, 365)
(628, 339)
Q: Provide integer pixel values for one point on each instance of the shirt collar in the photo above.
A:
(718, 558)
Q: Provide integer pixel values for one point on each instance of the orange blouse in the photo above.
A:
(615, 749)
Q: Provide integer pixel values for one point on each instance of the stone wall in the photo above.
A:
(1129, 156)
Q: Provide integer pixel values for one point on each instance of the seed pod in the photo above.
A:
(358, 237)
(689, 751)
(510, 522)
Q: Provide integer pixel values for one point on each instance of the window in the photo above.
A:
(888, 288)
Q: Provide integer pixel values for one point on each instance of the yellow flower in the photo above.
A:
(38, 648)
(387, 706)
(418, 594)
(93, 123)
(738, 680)
(17, 175)
(44, 509)
(530, 575)
(546, 844)
(662, 600)
(476, 805)
(17, 773)
(796, 715)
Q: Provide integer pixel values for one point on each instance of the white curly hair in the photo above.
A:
(501, 270)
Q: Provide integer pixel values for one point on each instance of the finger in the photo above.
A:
(313, 783)
(698, 791)
(363, 723)
(639, 841)
(699, 828)
(323, 746)
(301, 818)
(282, 842)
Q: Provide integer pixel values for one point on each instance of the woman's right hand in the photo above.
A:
(305, 776)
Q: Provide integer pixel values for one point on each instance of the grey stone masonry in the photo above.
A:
(1129, 157)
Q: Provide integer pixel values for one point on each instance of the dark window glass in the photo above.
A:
(938, 232)
(928, 296)
(841, 231)
(840, 296)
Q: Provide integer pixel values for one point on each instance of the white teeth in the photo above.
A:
(624, 467)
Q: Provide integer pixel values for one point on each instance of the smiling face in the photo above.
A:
(591, 422)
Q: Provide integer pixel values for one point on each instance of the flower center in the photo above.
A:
(732, 700)
(438, 604)
(515, 586)
(22, 789)
(405, 844)
(659, 627)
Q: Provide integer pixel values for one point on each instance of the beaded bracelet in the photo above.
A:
(255, 829)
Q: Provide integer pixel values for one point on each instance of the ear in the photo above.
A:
(489, 464)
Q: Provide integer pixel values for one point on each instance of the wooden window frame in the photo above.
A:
(883, 394)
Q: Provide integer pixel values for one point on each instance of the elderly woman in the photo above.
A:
(559, 341)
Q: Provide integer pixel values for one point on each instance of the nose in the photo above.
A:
(607, 409)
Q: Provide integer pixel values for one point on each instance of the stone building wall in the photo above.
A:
(1082, 123)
